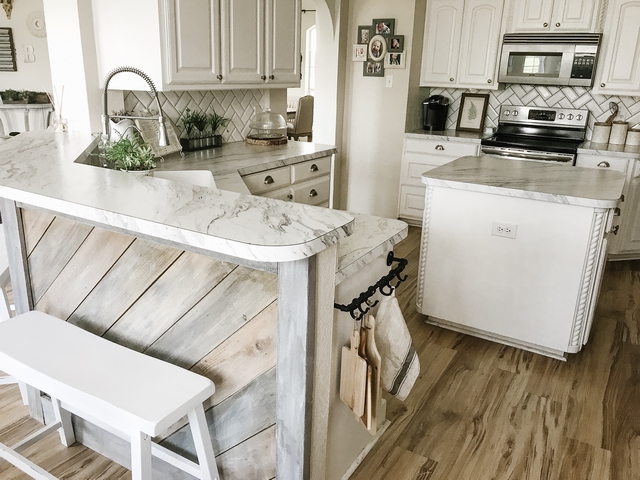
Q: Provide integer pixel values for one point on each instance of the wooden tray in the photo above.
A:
(253, 140)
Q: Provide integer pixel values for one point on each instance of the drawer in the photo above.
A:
(284, 194)
(412, 202)
(437, 147)
(312, 193)
(599, 161)
(268, 180)
(309, 169)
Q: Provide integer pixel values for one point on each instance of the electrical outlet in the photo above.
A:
(506, 230)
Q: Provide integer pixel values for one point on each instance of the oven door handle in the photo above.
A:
(529, 155)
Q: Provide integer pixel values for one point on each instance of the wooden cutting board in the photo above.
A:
(374, 361)
(353, 376)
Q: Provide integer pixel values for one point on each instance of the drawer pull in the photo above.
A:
(604, 164)
(439, 147)
(313, 193)
(615, 229)
(290, 197)
(313, 168)
(268, 180)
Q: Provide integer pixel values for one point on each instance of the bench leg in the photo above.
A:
(202, 442)
(140, 456)
(67, 436)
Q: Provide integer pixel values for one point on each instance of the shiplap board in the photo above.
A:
(35, 224)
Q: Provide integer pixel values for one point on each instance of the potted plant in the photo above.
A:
(187, 122)
(130, 155)
(200, 122)
(14, 96)
(216, 122)
(39, 97)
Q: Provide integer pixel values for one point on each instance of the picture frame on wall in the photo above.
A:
(395, 60)
(377, 48)
(372, 69)
(359, 53)
(365, 32)
(473, 110)
(395, 43)
(384, 26)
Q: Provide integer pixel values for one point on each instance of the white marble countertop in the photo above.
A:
(448, 136)
(533, 180)
(607, 150)
(39, 169)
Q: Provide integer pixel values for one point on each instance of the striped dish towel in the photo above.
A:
(400, 363)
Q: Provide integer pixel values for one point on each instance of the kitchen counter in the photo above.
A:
(532, 180)
(448, 136)
(609, 150)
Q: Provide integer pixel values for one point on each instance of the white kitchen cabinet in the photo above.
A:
(200, 44)
(419, 156)
(261, 41)
(461, 43)
(625, 242)
(619, 70)
(553, 16)
(306, 182)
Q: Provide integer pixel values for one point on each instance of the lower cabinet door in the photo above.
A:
(312, 193)
(412, 203)
(284, 194)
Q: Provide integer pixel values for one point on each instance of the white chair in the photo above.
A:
(203, 178)
(303, 124)
(118, 389)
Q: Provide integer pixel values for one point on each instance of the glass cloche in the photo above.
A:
(267, 125)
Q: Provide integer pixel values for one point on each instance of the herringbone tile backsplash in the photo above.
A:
(237, 105)
(559, 97)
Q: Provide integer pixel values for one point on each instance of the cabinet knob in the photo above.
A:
(439, 147)
(268, 180)
(263, 77)
(557, 24)
(290, 197)
(489, 80)
(451, 79)
(219, 77)
(604, 164)
(602, 85)
(272, 77)
(313, 193)
(615, 229)
(545, 24)
(313, 168)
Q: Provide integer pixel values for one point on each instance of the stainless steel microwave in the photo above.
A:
(549, 58)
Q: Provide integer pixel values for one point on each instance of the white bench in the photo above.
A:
(109, 385)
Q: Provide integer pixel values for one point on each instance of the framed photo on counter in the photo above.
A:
(473, 110)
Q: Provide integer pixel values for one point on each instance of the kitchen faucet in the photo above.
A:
(106, 128)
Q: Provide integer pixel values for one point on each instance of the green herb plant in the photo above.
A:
(187, 121)
(127, 154)
(216, 122)
(200, 121)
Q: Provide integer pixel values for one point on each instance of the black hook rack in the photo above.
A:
(360, 305)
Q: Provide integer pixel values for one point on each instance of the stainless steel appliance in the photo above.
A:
(534, 133)
(549, 58)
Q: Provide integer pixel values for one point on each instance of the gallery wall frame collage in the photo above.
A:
(378, 47)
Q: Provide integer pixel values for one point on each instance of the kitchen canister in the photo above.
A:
(633, 137)
(601, 131)
(618, 133)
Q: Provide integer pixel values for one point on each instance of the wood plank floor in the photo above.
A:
(479, 410)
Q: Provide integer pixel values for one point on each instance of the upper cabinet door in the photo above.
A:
(574, 15)
(441, 42)
(531, 15)
(193, 35)
(620, 58)
(282, 41)
(243, 41)
(480, 43)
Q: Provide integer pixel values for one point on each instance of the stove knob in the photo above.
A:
(561, 116)
(570, 116)
(579, 117)
(507, 113)
(515, 113)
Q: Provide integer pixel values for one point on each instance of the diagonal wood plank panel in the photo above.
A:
(198, 312)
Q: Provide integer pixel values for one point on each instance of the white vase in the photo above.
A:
(125, 128)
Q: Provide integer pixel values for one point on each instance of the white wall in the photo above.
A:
(34, 76)
(374, 118)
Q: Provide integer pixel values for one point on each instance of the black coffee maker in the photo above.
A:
(434, 112)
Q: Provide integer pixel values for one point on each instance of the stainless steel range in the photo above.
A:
(539, 134)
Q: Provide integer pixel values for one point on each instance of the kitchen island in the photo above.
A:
(513, 251)
(235, 287)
